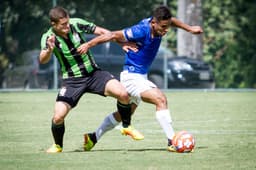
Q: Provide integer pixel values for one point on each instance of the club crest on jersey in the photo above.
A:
(63, 91)
(131, 68)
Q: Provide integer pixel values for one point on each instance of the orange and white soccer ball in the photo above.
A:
(184, 142)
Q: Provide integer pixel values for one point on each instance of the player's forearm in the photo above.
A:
(101, 31)
(104, 35)
(45, 56)
(179, 24)
(100, 39)
(192, 29)
(95, 41)
(116, 36)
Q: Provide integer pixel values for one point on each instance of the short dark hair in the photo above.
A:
(57, 13)
(162, 13)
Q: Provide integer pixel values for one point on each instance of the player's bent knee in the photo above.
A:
(161, 102)
(124, 97)
(58, 119)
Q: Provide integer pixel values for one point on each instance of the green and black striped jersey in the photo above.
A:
(73, 64)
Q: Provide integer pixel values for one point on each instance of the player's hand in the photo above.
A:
(126, 46)
(196, 30)
(83, 48)
(50, 42)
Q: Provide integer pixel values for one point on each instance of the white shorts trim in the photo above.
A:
(135, 84)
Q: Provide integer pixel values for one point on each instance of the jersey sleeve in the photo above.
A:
(44, 39)
(82, 25)
(134, 33)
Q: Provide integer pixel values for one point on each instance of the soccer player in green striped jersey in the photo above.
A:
(80, 73)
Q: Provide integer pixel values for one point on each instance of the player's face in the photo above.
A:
(62, 26)
(160, 28)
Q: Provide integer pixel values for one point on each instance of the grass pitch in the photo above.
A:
(223, 124)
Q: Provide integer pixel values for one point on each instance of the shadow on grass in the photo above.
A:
(120, 150)
(131, 150)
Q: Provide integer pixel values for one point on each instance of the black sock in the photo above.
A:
(169, 142)
(125, 112)
(93, 137)
(58, 133)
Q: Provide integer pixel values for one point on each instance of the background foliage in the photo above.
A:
(229, 30)
(230, 41)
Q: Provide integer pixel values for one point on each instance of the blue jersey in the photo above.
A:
(140, 61)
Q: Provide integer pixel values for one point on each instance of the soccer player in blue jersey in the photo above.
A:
(80, 73)
(147, 35)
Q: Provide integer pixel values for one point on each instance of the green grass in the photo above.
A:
(223, 124)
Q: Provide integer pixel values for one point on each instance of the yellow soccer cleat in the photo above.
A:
(171, 148)
(135, 134)
(54, 149)
(88, 143)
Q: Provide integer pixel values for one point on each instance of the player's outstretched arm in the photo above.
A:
(192, 29)
(116, 36)
(45, 54)
(100, 31)
(104, 35)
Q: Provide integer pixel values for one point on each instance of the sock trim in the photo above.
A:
(113, 120)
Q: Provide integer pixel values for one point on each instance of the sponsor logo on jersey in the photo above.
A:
(76, 37)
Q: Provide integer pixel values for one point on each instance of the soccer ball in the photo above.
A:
(183, 141)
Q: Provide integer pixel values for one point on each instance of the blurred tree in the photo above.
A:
(112, 14)
(190, 12)
(25, 20)
(22, 22)
(230, 41)
(229, 30)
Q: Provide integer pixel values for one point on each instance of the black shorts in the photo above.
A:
(73, 88)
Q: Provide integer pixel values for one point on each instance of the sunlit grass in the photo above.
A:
(223, 124)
